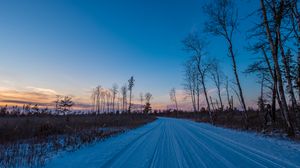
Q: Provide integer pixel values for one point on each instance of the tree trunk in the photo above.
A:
(290, 128)
(203, 84)
(241, 96)
(287, 73)
(197, 98)
(212, 104)
(113, 105)
(275, 93)
(220, 98)
(129, 108)
(298, 78)
(298, 73)
(193, 99)
(176, 104)
(219, 95)
(227, 93)
(206, 98)
(297, 16)
(217, 104)
(262, 88)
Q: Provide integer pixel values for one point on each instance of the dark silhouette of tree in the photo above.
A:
(147, 108)
(173, 97)
(272, 15)
(114, 91)
(98, 98)
(230, 104)
(108, 97)
(142, 100)
(124, 97)
(288, 75)
(57, 101)
(295, 27)
(217, 77)
(130, 86)
(195, 45)
(260, 68)
(148, 97)
(223, 21)
(191, 83)
(64, 104)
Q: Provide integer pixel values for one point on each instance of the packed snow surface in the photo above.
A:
(182, 143)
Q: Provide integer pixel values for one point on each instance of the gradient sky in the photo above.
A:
(70, 46)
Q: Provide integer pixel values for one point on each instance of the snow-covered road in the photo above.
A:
(182, 143)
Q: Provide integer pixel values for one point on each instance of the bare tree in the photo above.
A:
(192, 43)
(108, 100)
(275, 11)
(261, 69)
(212, 104)
(142, 100)
(120, 100)
(191, 83)
(292, 19)
(96, 99)
(93, 99)
(286, 62)
(295, 19)
(217, 77)
(227, 94)
(272, 73)
(173, 97)
(130, 86)
(114, 94)
(286, 56)
(124, 97)
(102, 100)
(223, 21)
(148, 97)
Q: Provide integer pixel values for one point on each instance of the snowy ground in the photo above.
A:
(182, 143)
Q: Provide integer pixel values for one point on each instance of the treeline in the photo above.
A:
(117, 100)
(274, 38)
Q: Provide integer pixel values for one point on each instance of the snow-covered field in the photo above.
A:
(182, 143)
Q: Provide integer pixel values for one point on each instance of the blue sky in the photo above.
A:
(71, 46)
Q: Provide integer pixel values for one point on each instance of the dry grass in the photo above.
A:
(234, 119)
(31, 140)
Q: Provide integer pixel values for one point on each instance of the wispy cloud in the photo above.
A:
(28, 95)
(42, 90)
(21, 102)
(36, 95)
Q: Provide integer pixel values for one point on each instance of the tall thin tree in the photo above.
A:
(217, 77)
(223, 21)
(173, 97)
(276, 12)
(124, 97)
(114, 94)
(195, 45)
(142, 101)
(130, 87)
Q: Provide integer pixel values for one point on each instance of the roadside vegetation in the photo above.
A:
(233, 119)
(272, 40)
(29, 140)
